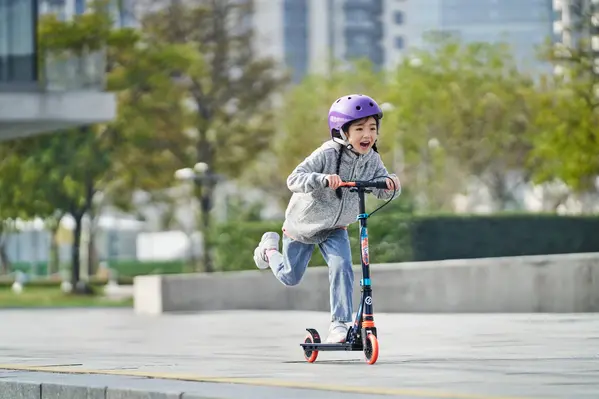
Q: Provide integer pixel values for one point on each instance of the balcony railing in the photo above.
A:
(69, 71)
(56, 71)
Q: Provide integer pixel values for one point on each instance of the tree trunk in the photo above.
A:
(204, 192)
(4, 261)
(205, 153)
(92, 254)
(54, 264)
(502, 195)
(206, 206)
(75, 250)
(79, 287)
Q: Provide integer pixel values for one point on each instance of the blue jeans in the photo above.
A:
(289, 268)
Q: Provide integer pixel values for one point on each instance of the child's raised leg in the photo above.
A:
(290, 265)
(336, 251)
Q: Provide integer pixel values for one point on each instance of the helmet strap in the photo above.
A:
(343, 140)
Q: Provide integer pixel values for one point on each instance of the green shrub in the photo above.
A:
(125, 269)
(6, 282)
(394, 237)
(132, 268)
(479, 236)
(235, 242)
(400, 238)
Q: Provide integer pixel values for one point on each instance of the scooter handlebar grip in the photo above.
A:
(380, 184)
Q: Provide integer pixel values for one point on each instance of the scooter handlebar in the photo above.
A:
(362, 184)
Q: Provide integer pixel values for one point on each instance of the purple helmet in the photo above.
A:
(351, 107)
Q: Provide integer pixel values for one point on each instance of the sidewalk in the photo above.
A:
(452, 356)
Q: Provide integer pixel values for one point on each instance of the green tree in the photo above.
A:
(151, 121)
(77, 161)
(567, 140)
(463, 111)
(152, 117)
(229, 88)
(80, 163)
(69, 168)
(22, 195)
(67, 165)
(14, 200)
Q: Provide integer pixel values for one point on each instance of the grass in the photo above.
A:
(54, 297)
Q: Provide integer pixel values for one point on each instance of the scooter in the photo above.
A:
(362, 336)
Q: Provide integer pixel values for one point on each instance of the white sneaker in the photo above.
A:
(270, 240)
(337, 333)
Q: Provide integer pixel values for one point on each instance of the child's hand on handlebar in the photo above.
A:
(334, 181)
(390, 185)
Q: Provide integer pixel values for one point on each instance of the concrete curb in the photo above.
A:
(32, 390)
(47, 382)
(546, 283)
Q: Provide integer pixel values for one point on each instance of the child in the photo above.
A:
(318, 214)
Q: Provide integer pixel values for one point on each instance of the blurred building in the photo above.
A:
(575, 20)
(524, 24)
(45, 92)
(122, 11)
(304, 34)
(29, 248)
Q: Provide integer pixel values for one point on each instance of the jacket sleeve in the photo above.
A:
(382, 193)
(308, 175)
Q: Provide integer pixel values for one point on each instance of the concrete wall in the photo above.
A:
(556, 283)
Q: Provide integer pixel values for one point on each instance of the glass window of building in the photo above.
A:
(18, 20)
(79, 6)
(295, 32)
(399, 42)
(399, 18)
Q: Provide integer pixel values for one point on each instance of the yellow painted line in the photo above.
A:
(419, 393)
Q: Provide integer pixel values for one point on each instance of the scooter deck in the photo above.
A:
(331, 347)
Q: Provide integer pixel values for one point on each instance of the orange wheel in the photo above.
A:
(308, 354)
(371, 350)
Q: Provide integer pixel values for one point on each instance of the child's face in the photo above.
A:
(362, 135)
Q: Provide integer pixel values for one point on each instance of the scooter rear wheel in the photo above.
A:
(310, 355)
(371, 349)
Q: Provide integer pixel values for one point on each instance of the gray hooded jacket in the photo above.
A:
(314, 210)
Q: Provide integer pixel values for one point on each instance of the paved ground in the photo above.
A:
(422, 356)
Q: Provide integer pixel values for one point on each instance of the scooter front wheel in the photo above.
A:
(371, 349)
(310, 355)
